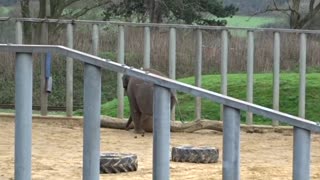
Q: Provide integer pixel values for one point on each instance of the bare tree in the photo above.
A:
(56, 9)
(299, 19)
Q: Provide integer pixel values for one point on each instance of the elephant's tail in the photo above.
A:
(179, 110)
(128, 123)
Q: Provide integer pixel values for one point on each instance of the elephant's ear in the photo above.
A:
(125, 81)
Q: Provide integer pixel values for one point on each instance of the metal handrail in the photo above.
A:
(179, 26)
(161, 137)
(165, 82)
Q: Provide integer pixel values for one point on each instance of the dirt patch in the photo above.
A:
(57, 153)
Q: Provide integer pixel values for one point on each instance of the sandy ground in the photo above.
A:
(57, 153)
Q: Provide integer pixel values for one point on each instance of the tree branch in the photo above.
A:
(307, 19)
(311, 5)
(84, 10)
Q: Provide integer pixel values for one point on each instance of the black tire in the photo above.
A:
(118, 162)
(195, 154)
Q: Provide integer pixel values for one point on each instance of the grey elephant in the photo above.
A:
(140, 95)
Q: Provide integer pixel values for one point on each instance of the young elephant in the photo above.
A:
(140, 95)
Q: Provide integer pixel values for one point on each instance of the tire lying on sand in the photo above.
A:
(117, 163)
(195, 154)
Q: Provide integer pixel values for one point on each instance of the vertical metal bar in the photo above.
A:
(120, 92)
(69, 73)
(147, 48)
(161, 134)
(301, 154)
(302, 70)
(276, 74)
(19, 33)
(23, 125)
(231, 144)
(172, 63)
(250, 59)
(91, 129)
(95, 39)
(224, 66)
(198, 71)
(43, 92)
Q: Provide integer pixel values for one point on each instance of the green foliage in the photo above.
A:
(188, 11)
(289, 96)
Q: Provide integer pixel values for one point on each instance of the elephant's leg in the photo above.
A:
(137, 122)
(147, 122)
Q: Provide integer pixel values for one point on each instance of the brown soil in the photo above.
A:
(57, 153)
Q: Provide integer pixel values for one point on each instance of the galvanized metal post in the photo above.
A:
(91, 128)
(43, 92)
(301, 154)
(231, 144)
(224, 66)
(276, 74)
(302, 76)
(95, 39)
(69, 73)
(147, 48)
(120, 91)
(19, 33)
(250, 59)
(23, 125)
(161, 134)
(198, 71)
(172, 63)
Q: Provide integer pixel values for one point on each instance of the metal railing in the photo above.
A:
(172, 57)
(161, 138)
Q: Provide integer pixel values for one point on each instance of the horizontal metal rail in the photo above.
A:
(64, 21)
(165, 82)
(37, 107)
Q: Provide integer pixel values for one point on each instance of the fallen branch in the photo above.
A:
(176, 126)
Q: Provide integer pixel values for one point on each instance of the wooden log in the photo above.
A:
(176, 126)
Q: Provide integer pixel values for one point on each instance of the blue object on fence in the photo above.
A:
(48, 73)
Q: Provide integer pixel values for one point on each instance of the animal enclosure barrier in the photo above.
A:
(161, 138)
(172, 57)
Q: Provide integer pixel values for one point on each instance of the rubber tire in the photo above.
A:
(117, 163)
(195, 154)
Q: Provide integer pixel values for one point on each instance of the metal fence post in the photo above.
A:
(19, 33)
(302, 75)
(224, 66)
(161, 133)
(91, 127)
(43, 92)
(301, 154)
(276, 74)
(198, 70)
(69, 73)
(172, 63)
(147, 48)
(231, 143)
(95, 40)
(120, 91)
(23, 125)
(250, 59)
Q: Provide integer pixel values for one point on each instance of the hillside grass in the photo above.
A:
(289, 96)
(4, 11)
(250, 21)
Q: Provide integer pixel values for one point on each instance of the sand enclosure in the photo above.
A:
(57, 153)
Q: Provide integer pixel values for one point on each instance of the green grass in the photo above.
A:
(289, 88)
(4, 11)
(248, 21)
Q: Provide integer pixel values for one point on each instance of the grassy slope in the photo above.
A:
(4, 11)
(248, 21)
(237, 88)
